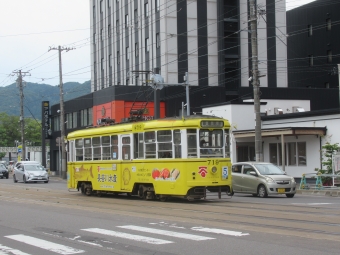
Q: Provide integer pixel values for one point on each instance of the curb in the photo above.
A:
(330, 193)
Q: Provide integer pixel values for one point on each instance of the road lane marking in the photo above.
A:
(312, 203)
(54, 247)
(11, 251)
(127, 236)
(219, 231)
(167, 233)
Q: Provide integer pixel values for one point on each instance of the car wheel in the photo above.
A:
(7, 177)
(45, 181)
(2, 177)
(290, 195)
(14, 179)
(24, 179)
(262, 192)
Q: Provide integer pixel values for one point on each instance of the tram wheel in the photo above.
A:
(163, 199)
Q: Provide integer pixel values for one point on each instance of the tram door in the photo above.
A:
(126, 156)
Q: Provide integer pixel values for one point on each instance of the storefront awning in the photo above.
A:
(289, 131)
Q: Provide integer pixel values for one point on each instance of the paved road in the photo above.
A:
(47, 219)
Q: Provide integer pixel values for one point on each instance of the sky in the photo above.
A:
(30, 27)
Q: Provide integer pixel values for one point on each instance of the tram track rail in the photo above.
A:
(257, 216)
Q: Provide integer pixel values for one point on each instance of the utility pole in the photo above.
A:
(62, 114)
(255, 79)
(22, 117)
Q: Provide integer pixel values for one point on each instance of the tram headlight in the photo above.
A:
(214, 169)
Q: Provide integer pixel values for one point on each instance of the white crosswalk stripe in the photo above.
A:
(138, 238)
(220, 231)
(167, 233)
(4, 250)
(50, 246)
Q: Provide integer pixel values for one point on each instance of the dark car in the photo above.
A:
(3, 171)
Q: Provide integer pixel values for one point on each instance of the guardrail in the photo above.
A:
(318, 183)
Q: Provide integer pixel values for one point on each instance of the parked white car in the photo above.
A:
(30, 171)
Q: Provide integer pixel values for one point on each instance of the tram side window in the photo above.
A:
(106, 148)
(138, 142)
(79, 150)
(227, 143)
(150, 144)
(177, 143)
(70, 154)
(114, 147)
(126, 148)
(87, 149)
(96, 148)
(164, 140)
(192, 143)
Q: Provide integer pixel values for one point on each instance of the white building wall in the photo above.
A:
(212, 43)
(262, 44)
(244, 45)
(169, 44)
(281, 44)
(192, 43)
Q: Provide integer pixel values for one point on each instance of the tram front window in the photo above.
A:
(211, 143)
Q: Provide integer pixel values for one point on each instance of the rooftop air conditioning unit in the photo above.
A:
(298, 109)
(278, 111)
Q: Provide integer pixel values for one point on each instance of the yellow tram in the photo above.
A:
(157, 159)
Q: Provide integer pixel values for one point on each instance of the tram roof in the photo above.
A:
(188, 121)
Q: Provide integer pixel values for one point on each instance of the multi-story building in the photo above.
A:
(209, 39)
(313, 45)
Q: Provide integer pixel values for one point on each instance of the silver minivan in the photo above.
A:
(261, 179)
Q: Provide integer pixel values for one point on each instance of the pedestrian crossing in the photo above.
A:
(157, 234)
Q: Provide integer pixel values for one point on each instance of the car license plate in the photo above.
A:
(39, 178)
(281, 190)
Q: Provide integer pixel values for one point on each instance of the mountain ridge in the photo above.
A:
(35, 93)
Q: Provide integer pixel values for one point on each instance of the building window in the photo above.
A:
(310, 30)
(136, 16)
(109, 30)
(101, 6)
(56, 123)
(136, 50)
(109, 3)
(127, 82)
(101, 34)
(147, 45)
(310, 60)
(74, 119)
(329, 56)
(146, 10)
(127, 20)
(110, 63)
(295, 154)
(329, 24)
(136, 80)
(127, 53)
(327, 85)
(102, 63)
(158, 40)
(118, 58)
(157, 5)
(117, 27)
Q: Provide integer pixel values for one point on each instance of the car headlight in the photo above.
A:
(268, 179)
(292, 179)
(214, 169)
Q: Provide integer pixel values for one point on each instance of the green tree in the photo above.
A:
(2, 154)
(328, 150)
(10, 130)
